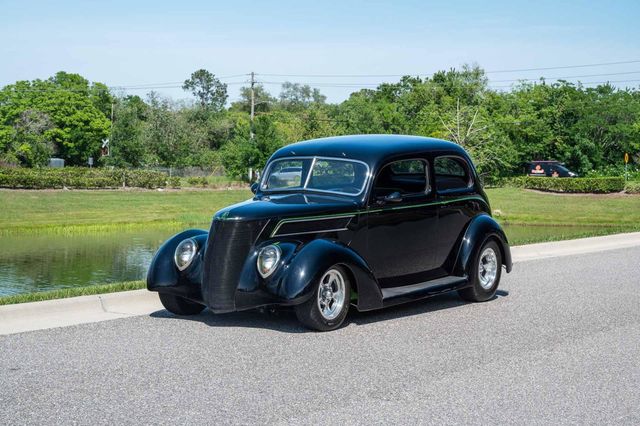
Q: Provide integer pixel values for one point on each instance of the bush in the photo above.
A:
(197, 181)
(574, 185)
(80, 178)
(632, 187)
(173, 182)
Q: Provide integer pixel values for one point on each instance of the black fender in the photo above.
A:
(314, 258)
(480, 229)
(164, 276)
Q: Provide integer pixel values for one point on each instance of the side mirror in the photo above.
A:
(254, 187)
(394, 197)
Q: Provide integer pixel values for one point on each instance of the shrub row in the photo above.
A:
(574, 185)
(83, 178)
(632, 187)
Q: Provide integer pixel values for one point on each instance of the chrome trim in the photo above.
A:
(304, 188)
(274, 233)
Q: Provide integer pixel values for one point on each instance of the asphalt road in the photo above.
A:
(560, 344)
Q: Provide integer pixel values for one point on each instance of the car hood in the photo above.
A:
(286, 205)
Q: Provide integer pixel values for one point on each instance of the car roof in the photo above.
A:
(372, 149)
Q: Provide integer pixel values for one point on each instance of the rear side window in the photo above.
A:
(408, 177)
(452, 173)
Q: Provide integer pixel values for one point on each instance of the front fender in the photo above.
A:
(481, 228)
(164, 276)
(313, 260)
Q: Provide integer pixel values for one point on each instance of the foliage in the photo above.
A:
(588, 128)
(76, 177)
(579, 185)
(70, 117)
(632, 187)
(210, 92)
(197, 181)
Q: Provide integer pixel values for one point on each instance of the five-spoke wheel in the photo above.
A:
(484, 275)
(328, 307)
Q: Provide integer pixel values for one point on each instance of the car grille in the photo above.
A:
(228, 244)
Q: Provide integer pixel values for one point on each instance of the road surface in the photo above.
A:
(560, 344)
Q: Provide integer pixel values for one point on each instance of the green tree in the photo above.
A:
(77, 125)
(210, 92)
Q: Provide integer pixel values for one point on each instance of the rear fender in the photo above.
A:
(480, 229)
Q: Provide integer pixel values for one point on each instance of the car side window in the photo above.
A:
(452, 173)
(408, 177)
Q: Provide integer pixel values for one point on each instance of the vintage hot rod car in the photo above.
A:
(369, 221)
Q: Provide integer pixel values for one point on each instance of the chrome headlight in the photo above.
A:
(185, 252)
(268, 259)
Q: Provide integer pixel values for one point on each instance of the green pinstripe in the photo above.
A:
(359, 212)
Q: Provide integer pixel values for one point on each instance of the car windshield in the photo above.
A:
(333, 175)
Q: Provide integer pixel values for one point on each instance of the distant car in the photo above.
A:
(370, 221)
(548, 168)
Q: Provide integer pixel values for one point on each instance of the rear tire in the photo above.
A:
(327, 308)
(484, 274)
(179, 305)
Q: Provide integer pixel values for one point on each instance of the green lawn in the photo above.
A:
(108, 210)
(105, 210)
(518, 206)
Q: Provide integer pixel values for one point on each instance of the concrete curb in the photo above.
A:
(85, 309)
(76, 310)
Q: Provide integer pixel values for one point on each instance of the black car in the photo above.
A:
(548, 168)
(365, 221)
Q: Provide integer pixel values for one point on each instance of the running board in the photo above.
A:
(396, 295)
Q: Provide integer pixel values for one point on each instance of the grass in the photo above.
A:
(64, 212)
(525, 207)
(73, 212)
(71, 292)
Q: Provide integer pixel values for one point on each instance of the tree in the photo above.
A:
(263, 100)
(295, 96)
(127, 146)
(210, 92)
(77, 126)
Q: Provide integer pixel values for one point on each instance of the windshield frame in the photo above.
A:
(303, 188)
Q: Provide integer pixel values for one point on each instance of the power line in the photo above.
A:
(583, 83)
(564, 67)
(427, 74)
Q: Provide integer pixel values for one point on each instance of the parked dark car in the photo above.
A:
(364, 221)
(548, 168)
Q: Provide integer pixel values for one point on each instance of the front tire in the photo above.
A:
(328, 306)
(179, 305)
(484, 274)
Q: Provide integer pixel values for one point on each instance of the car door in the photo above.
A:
(401, 231)
(455, 189)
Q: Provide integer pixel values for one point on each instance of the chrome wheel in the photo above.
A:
(331, 294)
(487, 268)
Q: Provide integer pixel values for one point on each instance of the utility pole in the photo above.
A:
(253, 103)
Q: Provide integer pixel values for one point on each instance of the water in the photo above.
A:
(31, 263)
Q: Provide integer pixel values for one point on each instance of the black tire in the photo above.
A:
(309, 313)
(179, 305)
(477, 292)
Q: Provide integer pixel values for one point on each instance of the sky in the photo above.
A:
(157, 44)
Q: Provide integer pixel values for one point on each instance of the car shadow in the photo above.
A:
(284, 320)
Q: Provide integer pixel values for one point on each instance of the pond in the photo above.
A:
(32, 263)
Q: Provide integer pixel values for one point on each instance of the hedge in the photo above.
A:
(632, 187)
(82, 178)
(574, 185)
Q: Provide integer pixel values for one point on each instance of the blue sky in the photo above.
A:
(147, 42)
